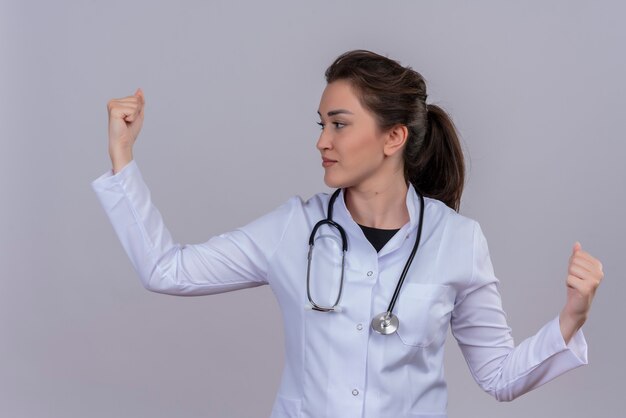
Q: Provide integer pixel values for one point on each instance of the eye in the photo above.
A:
(338, 125)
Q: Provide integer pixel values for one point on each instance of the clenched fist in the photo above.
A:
(584, 275)
(125, 121)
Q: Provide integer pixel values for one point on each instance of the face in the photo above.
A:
(351, 145)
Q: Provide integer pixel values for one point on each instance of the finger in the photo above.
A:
(575, 249)
(140, 98)
(582, 273)
(574, 282)
(583, 255)
(584, 263)
(129, 99)
(112, 105)
(127, 113)
(590, 259)
(578, 271)
(581, 286)
(126, 108)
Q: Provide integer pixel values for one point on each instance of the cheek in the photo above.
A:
(364, 152)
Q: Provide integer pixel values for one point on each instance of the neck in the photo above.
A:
(380, 205)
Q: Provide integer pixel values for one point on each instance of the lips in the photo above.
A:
(327, 162)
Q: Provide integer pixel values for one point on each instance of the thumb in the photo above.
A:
(142, 99)
(577, 247)
(139, 93)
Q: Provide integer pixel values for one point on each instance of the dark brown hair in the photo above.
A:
(433, 158)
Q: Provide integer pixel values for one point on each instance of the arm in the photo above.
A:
(230, 261)
(479, 325)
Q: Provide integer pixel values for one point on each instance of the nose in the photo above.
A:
(324, 141)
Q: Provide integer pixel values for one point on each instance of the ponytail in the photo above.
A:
(437, 168)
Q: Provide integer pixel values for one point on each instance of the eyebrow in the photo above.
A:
(336, 112)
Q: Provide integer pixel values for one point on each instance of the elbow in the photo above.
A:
(174, 285)
(173, 289)
(503, 397)
(167, 286)
(158, 282)
(505, 394)
(500, 386)
(159, 288)
(164, 276)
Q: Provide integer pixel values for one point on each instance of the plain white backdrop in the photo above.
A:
(535, 88)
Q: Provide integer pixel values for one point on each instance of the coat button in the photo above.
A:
(355, 392)
(369, 273)
(359, 327)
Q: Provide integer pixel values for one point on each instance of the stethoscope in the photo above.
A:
(386, 322)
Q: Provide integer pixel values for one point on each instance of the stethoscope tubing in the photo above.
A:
(344, 247)
(384, 323)
(396, 292)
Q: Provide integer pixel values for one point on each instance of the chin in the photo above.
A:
(335, 183)
(332, 183)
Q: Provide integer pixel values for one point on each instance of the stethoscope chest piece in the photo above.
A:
(385, 323)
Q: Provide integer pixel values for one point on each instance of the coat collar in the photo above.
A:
(344, 218)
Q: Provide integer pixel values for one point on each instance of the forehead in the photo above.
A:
(340, 94)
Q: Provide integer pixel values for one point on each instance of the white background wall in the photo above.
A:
(536, 89)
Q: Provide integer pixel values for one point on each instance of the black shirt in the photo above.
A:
(378, 237)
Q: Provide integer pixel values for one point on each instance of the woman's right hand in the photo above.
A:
(125, 121)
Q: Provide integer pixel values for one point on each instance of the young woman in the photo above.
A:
(366, 295)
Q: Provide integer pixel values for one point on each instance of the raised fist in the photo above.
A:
(125, 121)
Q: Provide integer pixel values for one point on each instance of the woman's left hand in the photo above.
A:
(584, 277)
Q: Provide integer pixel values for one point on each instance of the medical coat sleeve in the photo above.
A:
(229, 261)
(479, 325)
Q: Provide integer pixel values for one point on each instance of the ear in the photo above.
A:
(395, 139)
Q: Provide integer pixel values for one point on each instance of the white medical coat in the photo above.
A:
(335, 365)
